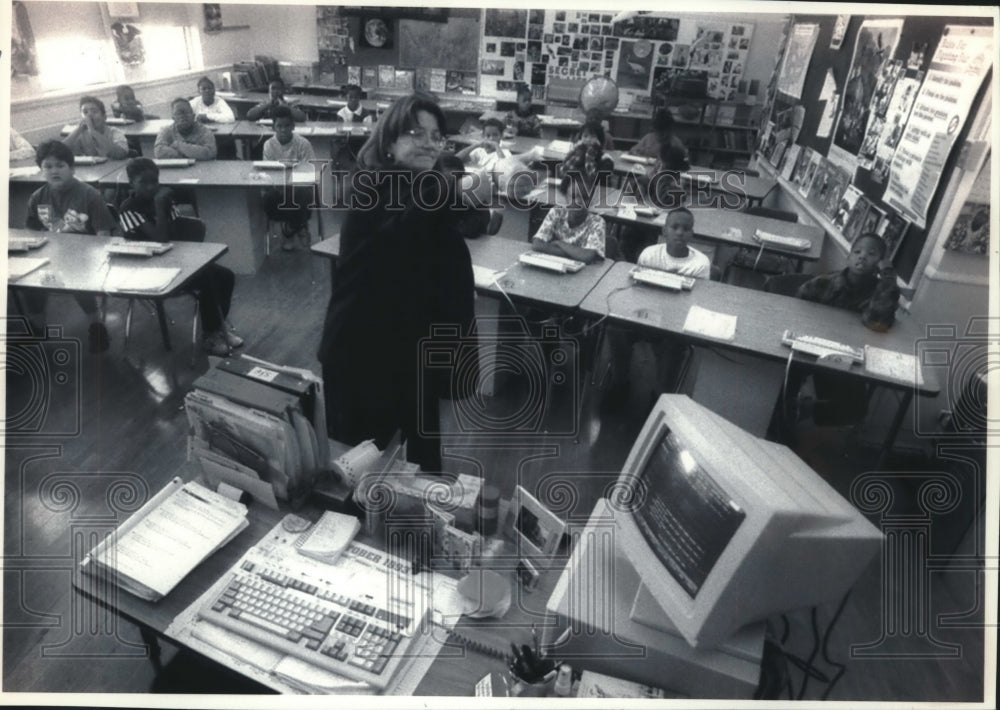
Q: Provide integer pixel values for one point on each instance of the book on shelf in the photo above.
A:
(174, 532)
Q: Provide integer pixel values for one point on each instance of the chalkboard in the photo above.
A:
(454, 45)
(916, 30)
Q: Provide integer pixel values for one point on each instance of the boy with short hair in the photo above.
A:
(288, 147)
(673, 252)
(126, 105)
(185, 137)
(66, 205)
(572, 230)
(209, 108)
(523, 118)
(93, 135)
(276, 98)
(353, 112)
(488, 152)
(150, 214)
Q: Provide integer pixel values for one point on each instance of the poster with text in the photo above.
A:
(797, 56)
(873, 50)
(956, 71)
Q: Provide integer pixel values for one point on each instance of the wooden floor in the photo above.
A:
(114, 431)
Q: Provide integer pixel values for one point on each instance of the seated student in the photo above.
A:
(672, 254)
(868, 286)
(93, 136)
(185, 137)
(150, 214)
(661, 185)
(471, 221)
(276, 98)
(595, 129)
(652, 144)
(66, 205)
(592, 132)
(126, 105)
(523, 118)
(488, 152)
(20, 148)
(572, 230)
(287, 146)
(353, 112)
(209, 108)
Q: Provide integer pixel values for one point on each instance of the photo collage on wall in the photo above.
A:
(333, 38)
(643, 55)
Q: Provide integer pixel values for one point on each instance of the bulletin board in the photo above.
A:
(853, 195)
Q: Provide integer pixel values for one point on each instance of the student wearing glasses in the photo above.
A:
(403, 268)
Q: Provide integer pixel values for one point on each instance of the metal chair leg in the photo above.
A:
(128, 323)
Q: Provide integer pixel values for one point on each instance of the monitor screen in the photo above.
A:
(686, 517)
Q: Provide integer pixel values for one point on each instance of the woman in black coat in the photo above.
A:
(403, 274)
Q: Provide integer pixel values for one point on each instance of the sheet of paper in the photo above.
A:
(889, 363)
(483, 276)
(24, 171)
(18, 266)
(711, 324)
(829, 86)
(828, 117)
(131, 279)
(189, 181)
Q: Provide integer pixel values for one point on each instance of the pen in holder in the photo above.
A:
(533, 673)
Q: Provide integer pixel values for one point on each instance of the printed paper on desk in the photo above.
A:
(484, 277)
(129, 279)
(889, 363)
(711, 324)
(219, 469)
(189, 181)
(24, 171)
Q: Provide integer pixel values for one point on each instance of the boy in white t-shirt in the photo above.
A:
(488, 152)
(672, 253)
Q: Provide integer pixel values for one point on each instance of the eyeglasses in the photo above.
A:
(421, 134)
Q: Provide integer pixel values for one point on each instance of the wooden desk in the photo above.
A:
(229, 202)
(762, 318)
(23, 183)
(79, 263)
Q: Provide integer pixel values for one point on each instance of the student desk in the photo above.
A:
(319, 106)
(26, 177)
(762, 318)
(229, 202)
(79, 263)
(321, 134)
(552, 126)
(454, 672)
(142, 134)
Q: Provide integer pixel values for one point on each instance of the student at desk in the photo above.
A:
(868, 286)
(93, 135)
(209, 108)
(288, 147)
(276, 98)
(149, 213)
(185, 137)
(64, 204)
(523, 118)
(652, 144)
(572, 230)
(400, 272)
(485, 155)
(126, 105)
(353, 112)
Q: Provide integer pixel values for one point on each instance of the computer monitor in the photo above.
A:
(725, 528)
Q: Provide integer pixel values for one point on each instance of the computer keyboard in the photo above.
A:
(551, 262)
(271, 165)
(821, 347)
(18, 243)
(127, 248)
(663, 279)
(89, 159)
(359, 626)
(641, 159)
(173, 162)
(777, 240)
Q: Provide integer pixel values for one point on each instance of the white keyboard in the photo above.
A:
(663, 279)
(26, 243)
(89, 159)
(270, 165)
(821, 347)
(551, 262)
(127, 248)
(777, 240)
(641, 159)
(173, 162)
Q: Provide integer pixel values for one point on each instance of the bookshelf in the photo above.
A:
(717, 133)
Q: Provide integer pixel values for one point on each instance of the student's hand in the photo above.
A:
(885, 265)
(489, 146)
(164, 195)
(201, 118)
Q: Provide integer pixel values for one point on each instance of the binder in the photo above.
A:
(159, 544)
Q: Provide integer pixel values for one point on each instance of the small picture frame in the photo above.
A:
(536, 529)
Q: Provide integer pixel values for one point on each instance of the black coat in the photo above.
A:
(400, 272)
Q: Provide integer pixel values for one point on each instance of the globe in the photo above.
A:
(599, 94)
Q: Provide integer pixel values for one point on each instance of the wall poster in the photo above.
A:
(956, 71)
(793, 69)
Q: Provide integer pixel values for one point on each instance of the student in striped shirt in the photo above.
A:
(150, 214)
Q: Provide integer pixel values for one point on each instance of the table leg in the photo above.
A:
(161, 316)
(153, 644)
(897, 421)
